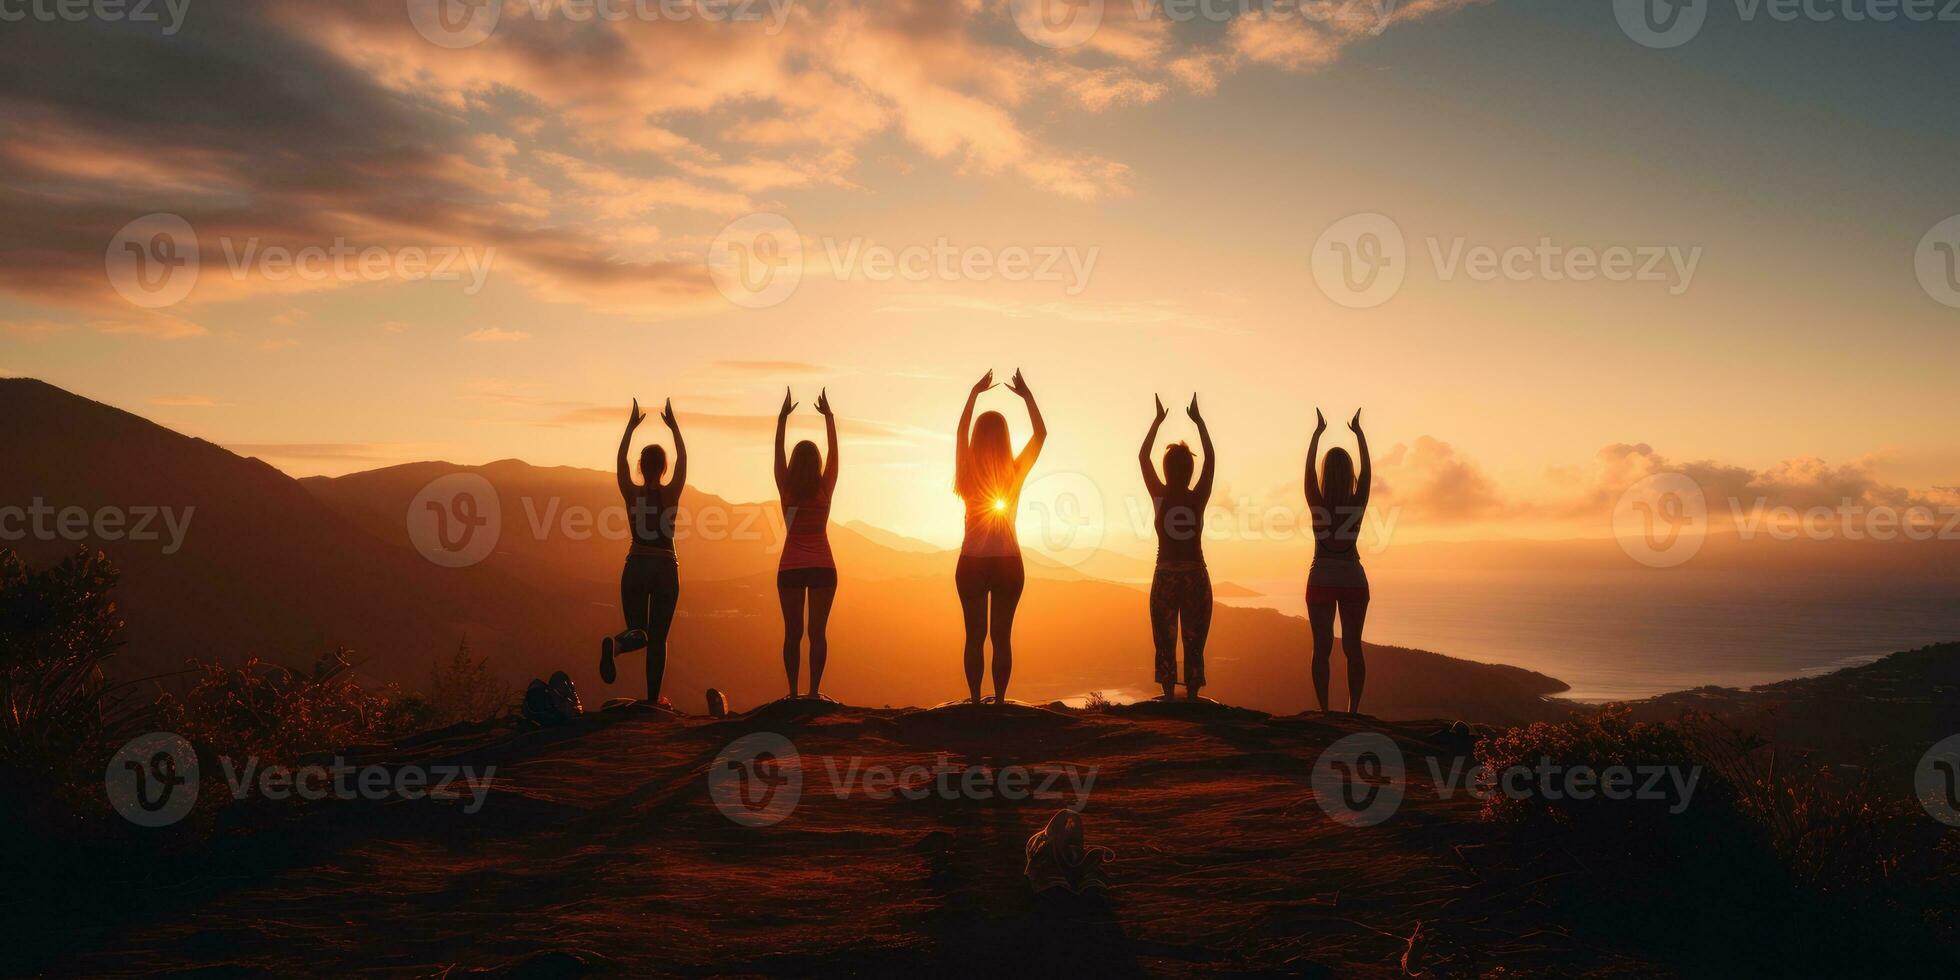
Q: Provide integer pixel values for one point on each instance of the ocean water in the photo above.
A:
(1615, 635)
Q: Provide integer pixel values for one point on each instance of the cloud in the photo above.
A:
(496, 335)
(32, 328)
(593, 159)
(350, 451)
(1434, 483)
(1802, 483)
(157, 325)
(771, 367)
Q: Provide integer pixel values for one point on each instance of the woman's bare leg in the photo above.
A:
(1006, 598)
(973, 609)
(820, 600)
(1320, 617)
(791, 599)
(1354, 615)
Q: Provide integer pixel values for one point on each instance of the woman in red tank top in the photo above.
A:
(804, 482)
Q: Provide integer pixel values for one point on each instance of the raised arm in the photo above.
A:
(1313, 455)
(1203, 489)
(782, 422)
(830, 437)
(680, 450)
(621, 468)
(1032, 451)
(1365, 481)
(1151, 481)
(965, 431)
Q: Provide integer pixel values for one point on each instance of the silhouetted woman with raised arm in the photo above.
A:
(804, 483)
(1336, 583)
(988, 476)
(650, 585)
(1180, 589)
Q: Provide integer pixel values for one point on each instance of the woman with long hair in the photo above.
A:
(1180, 588)
(1336, 583)
(804, 482)
(650, 584)
(988, 476)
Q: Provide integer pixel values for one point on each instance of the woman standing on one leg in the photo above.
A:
(804, 484)
(1336, 583)
(1180, 589)
(650, 584)
(988, 476)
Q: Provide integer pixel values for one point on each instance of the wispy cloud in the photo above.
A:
(771, 367)
(344, 451)
(496, 335)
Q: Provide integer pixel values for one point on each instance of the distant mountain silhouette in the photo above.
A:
(265, 568)
(284, 569)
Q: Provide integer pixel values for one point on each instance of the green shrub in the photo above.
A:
(60, 717)
(276, 715)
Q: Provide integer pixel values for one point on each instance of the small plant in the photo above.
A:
(1095, 702)
(464, 689)
(275, 714)
(60, 718)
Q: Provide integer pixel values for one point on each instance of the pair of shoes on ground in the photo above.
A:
(609, 671)
(1057, 857)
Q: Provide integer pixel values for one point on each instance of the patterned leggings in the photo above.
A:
(1180, 601)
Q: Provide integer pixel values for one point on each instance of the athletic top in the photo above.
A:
(1180, 522)
(650, 518)
(1336, 558)
(807, 541)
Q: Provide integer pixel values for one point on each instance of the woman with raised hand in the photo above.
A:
(1180, 589)
(988, 476)
(1336, 583)
(650, 585)
(804, 482)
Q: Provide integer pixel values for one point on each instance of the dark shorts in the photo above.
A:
(806, 578)
(1336, 593)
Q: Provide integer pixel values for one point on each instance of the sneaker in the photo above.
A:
(1045, 867)
(1093, 874)
(608, 671)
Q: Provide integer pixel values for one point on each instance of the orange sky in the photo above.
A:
(1181, 174)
